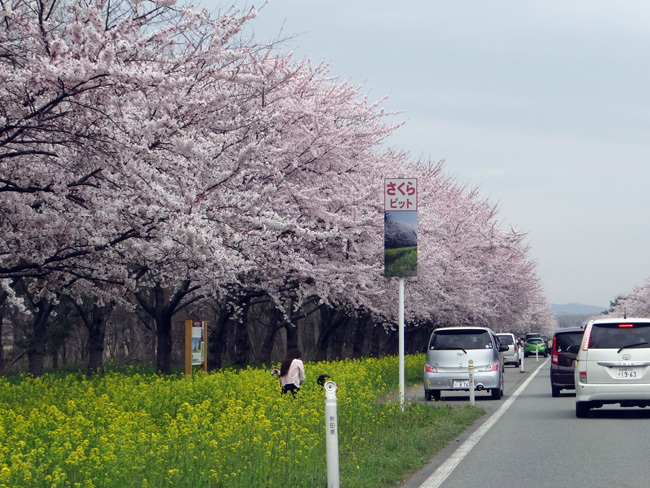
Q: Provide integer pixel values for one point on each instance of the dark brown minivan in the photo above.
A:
(566, 344)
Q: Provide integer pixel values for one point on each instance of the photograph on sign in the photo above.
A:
(400, 243)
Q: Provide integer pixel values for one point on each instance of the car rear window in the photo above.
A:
(567, 339)
(506, 339)
(614, 336)
(461, 339)
(535, 340)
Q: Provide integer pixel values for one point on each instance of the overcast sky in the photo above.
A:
(544, 105)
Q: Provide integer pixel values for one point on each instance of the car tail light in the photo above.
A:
(554, 358)
(583, 377)
(430, 369)
(492, 367)
(626, 325)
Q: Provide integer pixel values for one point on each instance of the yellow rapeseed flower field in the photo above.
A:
(220, 429)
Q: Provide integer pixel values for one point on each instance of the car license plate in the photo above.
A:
(461, 384)
(627, 373)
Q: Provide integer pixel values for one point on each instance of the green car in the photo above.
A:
(535, 344)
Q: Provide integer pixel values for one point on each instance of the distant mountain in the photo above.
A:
(577, 309)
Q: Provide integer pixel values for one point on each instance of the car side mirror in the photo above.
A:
(574, 349)
(503, 347)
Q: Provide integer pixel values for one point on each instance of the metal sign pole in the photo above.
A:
(401, 342)
(400, 210)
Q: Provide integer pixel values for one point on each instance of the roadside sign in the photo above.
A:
(400, 194)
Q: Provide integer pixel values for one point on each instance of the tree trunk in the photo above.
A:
(390, 344)
(276, 322)
(165, 343)
(242, 343)
(96, 324)
(378, 334)
(216, 342)
(162, 311)
(55, 357)
(3, 297)
(36, 347)
(415, 339)
(292, 336)
(337, 340)
(149, 324)
(363, 322)
(2, 346)
(331, 319)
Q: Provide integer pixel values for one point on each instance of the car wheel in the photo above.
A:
(431, 395)
(497, 393)
(582, 409)
(555, 391)
(518, 365)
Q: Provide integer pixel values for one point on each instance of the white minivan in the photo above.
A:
(613, 364)
(511, 356)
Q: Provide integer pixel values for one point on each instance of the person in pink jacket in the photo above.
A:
(291, 372)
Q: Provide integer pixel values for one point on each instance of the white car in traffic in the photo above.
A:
(613, 364)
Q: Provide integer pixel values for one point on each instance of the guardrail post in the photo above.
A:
(472, 398)
(331, 435)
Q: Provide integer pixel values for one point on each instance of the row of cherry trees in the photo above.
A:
(636, 303)
(152, 157)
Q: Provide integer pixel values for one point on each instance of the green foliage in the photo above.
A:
(401, 262)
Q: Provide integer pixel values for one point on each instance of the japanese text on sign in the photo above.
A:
(400, 194)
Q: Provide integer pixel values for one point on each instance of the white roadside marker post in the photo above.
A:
(331, 435)
(472, 398)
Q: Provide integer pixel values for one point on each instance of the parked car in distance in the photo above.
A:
(535, 344)
(447, 361)
(564, 349)
(530, 335)
(511, 356)
(613, 364)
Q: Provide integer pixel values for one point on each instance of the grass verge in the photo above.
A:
(396, 453)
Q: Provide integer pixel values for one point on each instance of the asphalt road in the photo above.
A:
(531, 438)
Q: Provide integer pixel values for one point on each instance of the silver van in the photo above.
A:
(447, 361)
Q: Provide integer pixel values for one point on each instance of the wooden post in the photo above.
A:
(188, 347)
(204, 366)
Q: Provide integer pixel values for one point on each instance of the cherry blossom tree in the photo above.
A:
(90, 157)
(148, 149)
(636, 303)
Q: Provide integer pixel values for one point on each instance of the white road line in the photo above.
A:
(446, 468)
